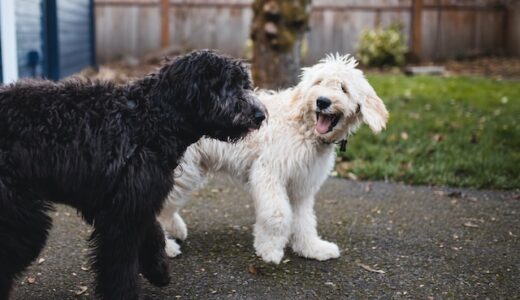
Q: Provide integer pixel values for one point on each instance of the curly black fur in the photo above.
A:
(109, 151)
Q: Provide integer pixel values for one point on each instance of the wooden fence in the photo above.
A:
(436, 29)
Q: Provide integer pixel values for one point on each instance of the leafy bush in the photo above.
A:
(382, 47)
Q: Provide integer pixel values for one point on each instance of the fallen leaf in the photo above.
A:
(352, 176)
(370, 269)
(404, 135)
(330, 201)
(82, 290)
(329, 283)
(286, 261)
(368, 187)
(31, 280)
(438, 138)
(470, 224)
(252, 269)
(41, 260)
(439, 193)
(85, 268)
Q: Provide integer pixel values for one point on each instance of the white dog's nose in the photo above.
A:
(323, 102)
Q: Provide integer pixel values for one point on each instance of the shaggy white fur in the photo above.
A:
(285, 163)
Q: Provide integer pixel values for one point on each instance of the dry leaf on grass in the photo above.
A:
(438, 138)
(370, 269)
(31, 280)
(41, 260)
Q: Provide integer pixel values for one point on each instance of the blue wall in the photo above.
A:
(29, 23)
(1, 70)
(74, 20)
(59, 31)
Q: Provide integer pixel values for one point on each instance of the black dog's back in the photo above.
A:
(36, 111)
(66, 139)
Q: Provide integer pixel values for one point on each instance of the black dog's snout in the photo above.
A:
(259, 116)
(323, 102)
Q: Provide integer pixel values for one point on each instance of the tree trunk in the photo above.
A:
(277, 33)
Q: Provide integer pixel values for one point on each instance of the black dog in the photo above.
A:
(109, 151)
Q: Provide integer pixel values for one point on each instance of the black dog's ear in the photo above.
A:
(189, 78)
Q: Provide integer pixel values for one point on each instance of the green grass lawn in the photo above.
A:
(458, 131)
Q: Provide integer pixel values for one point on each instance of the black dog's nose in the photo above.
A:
(323, 102)
(259, 116)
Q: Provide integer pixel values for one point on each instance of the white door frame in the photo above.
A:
(8, 36)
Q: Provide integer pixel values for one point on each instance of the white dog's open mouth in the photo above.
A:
(326, 122)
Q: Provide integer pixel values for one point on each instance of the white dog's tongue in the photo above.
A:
(323, 124)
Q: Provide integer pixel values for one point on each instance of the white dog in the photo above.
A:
(285, 163)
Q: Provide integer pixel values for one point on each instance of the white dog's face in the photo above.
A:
(335, 97)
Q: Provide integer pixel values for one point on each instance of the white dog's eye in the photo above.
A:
(317, 82)
(344, 89)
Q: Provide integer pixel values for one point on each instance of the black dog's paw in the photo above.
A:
(158, 274)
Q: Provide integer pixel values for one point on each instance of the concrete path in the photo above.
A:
(397, 242)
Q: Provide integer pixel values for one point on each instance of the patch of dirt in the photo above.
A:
(129, 68)
(496, 67)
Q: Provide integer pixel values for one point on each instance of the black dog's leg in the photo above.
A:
(24, 225)
(152, 257)
(5, 287)
(116, 250)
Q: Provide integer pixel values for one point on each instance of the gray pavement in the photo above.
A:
(397, 242)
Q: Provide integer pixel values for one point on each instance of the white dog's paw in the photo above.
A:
(178, 229)
(318, 249)
(273, 256)
(269, 252)
(172, 248)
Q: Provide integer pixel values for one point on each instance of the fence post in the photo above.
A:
(165, 23)
(92, 25)
(51, 50)
(417, 7)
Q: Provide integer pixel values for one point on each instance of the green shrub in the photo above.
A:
(382, 47)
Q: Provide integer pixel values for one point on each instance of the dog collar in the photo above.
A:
(343, 145)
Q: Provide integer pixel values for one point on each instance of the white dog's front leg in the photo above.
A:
(172, 223)
(305, 240)
(273, 219)
(173, 226)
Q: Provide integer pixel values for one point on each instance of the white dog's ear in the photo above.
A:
(374, 112)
